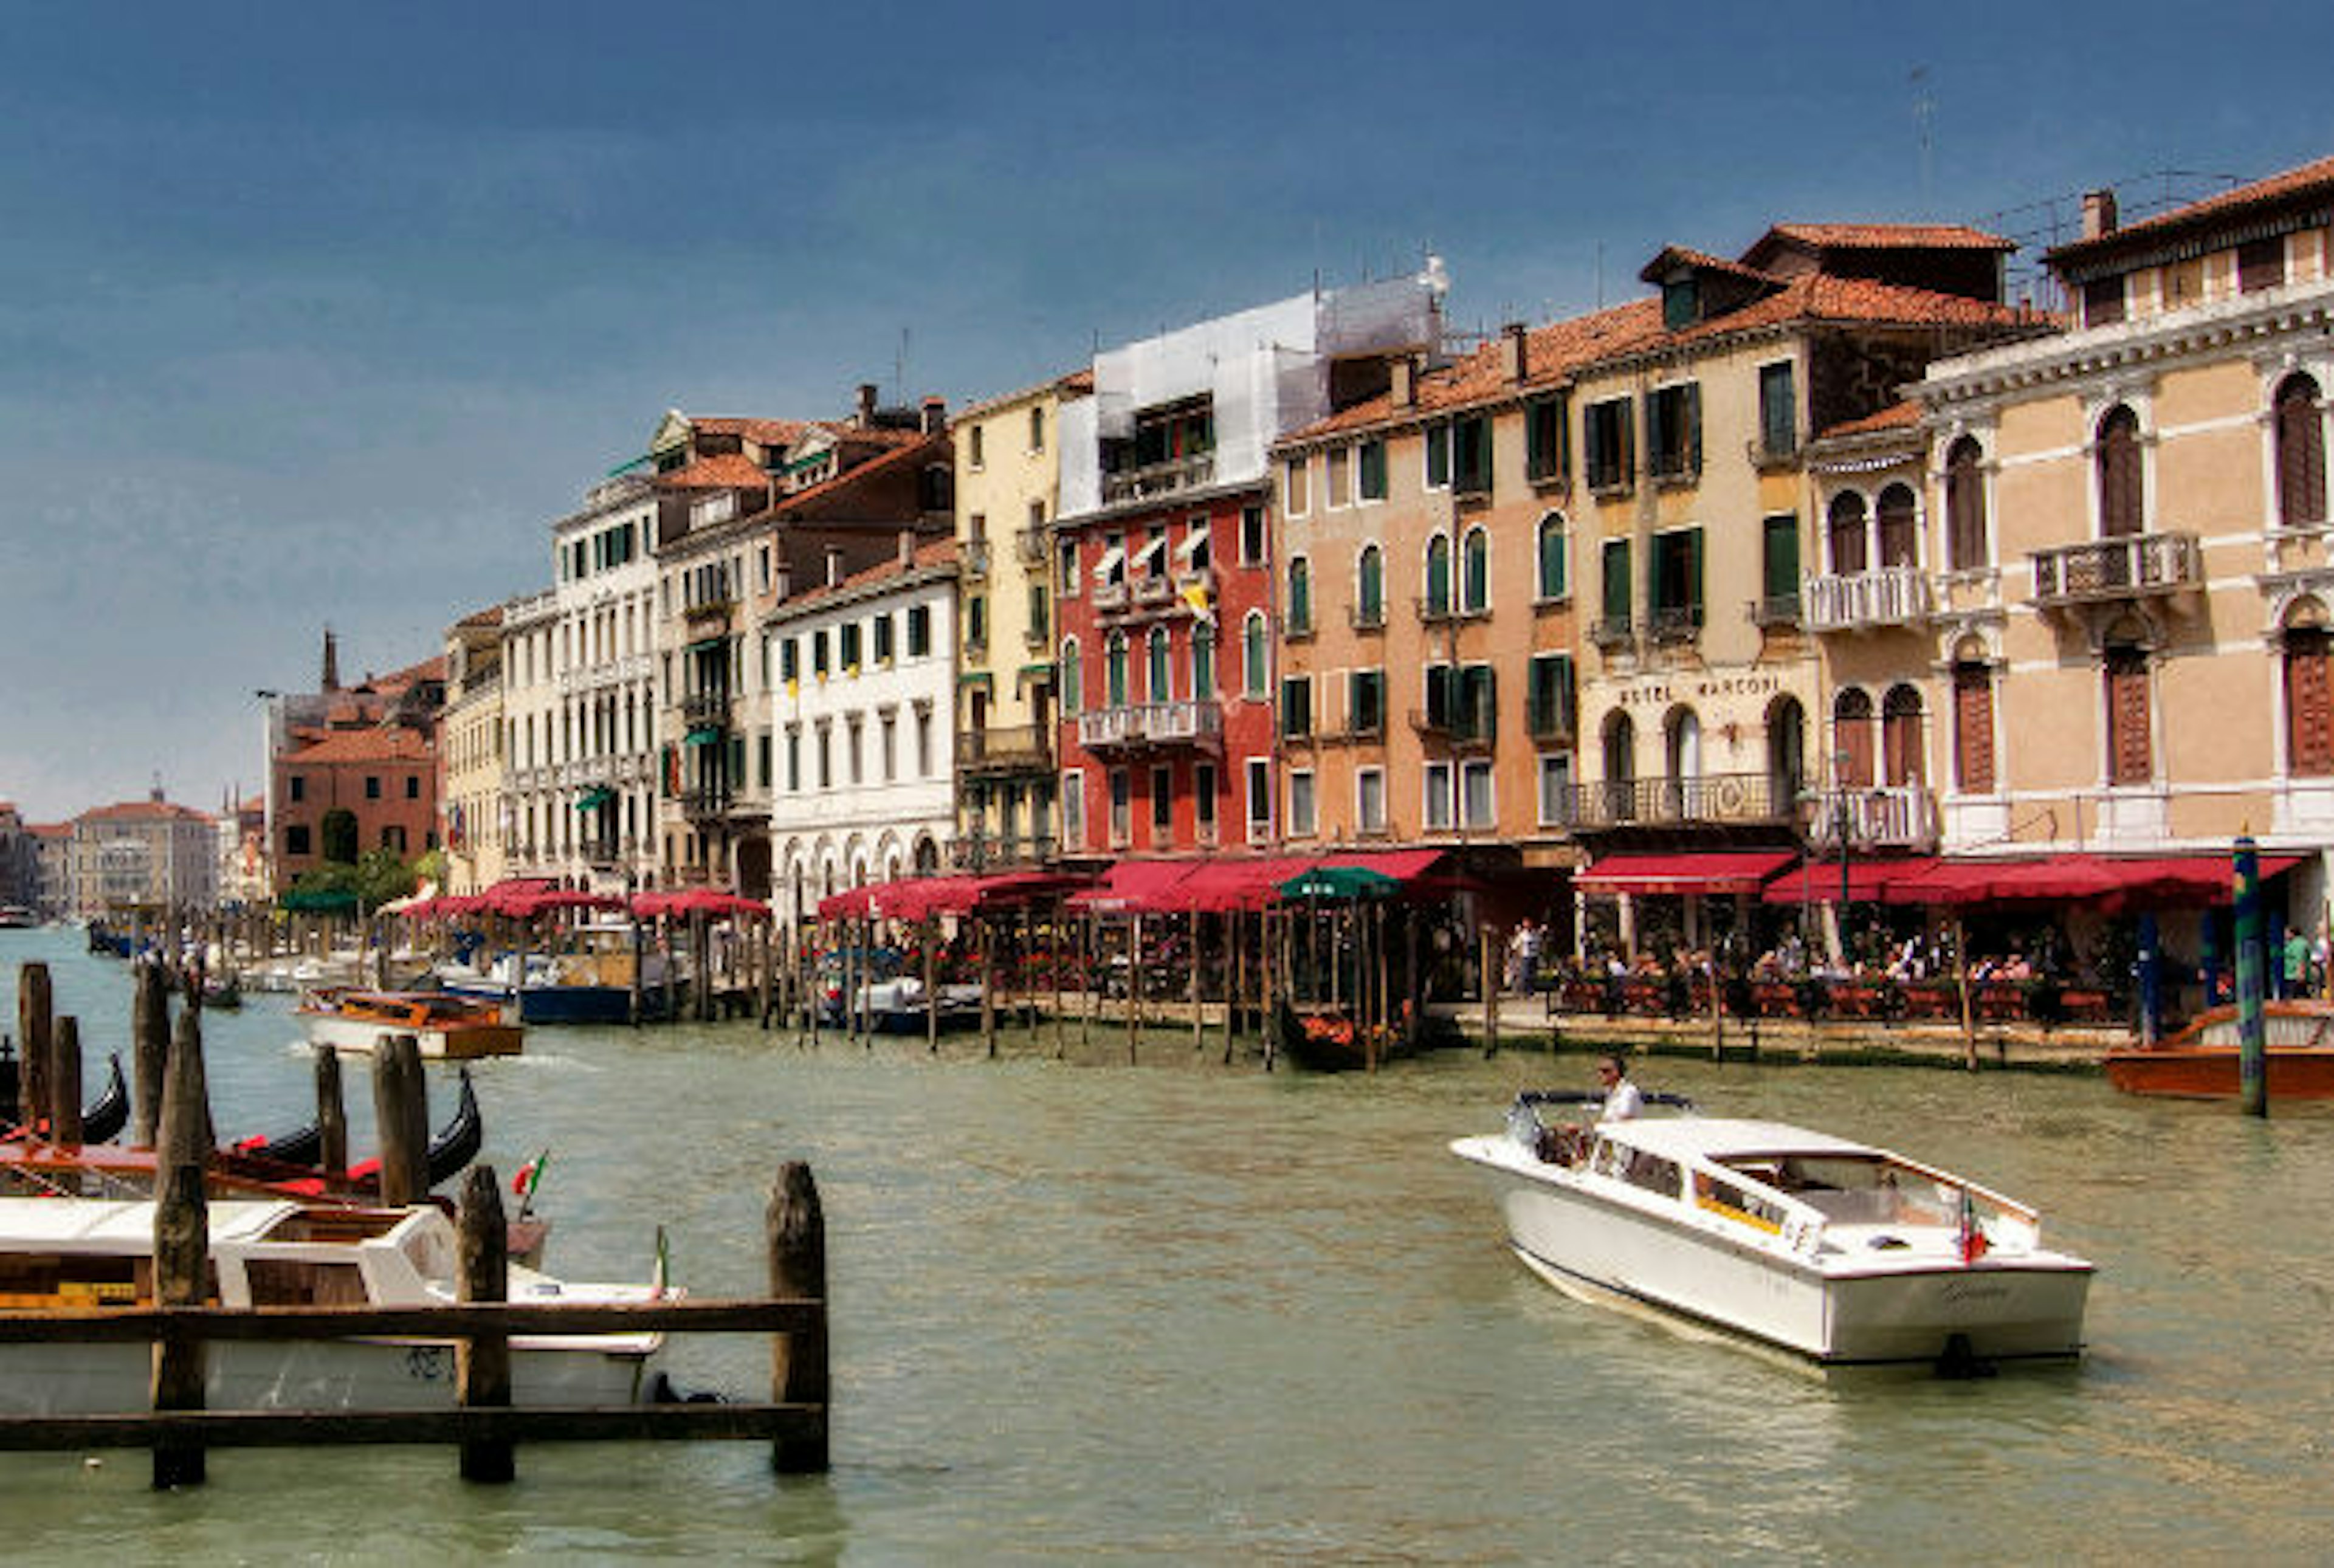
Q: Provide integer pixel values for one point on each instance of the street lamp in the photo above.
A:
(1843, 820)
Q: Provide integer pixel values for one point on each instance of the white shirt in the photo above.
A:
(1623, 1102)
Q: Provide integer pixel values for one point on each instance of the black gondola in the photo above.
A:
(100, 1121)
(455, 1146)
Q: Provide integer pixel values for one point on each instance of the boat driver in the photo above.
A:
(1623, 1101)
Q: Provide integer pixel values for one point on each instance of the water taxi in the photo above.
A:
(451, 1028)
(1838, 1253)
(2201, 1062)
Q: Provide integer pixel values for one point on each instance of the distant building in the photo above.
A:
(143, 855)
(354, 769)
(20, 864)
(53, 881)
(470, 752)
(243, 875)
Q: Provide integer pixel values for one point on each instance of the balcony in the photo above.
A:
(705, 710)
(1675, 624)
(1150, 592)
(707, 612)
(1108, 597)
(1776, 612)
(996, 851)
(972, 559)
(1139, 726)
(1029, 546)
(1159, 479)
(1612, 631)
(1015, 748)
(2136, 566)
(1886, 816)
(705, 803)
(1463, 726)
(1725, 797)
(1864, 600)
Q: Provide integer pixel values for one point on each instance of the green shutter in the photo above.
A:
(1782, 557)
(1693, 426)
(1617, 581)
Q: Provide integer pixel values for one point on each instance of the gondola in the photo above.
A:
(455, 1146)
(100, 1121)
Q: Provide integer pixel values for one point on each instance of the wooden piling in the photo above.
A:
(1133, 987)
(401, 1120)
(1199, 1039)
(1488, 946)
(1053, 971)
(150, 1052)
(64, 1085)
(1086, 984)
(794, 1229)
(482, 1362)
(332, 1122)
(987, 986)
(34, 1034)
(181, 1245)
(763, 978)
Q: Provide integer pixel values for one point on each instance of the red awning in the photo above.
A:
(1135, 888)
(2114, 883)
(1868, 880)
(1401, 865)
(1247, 883)
(1710, 871)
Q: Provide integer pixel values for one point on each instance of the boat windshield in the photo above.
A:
(1854, 1187)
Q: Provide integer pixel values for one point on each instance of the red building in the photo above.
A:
(385, 781)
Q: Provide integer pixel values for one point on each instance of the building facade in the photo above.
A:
(472, 749)
(1007, 494)
(604, 584)
(353, 769)
(149, 855)
(529, 826)
(863, 687)
(2138, 552)
(1164, 571)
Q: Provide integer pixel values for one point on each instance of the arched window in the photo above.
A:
(1203, 661)
(1071, 681)
(1620, 766)
(1851, 727)
(1369, 586)
(1845, 532)
(2120, 486)
(1438, 575)
(1255, 657)
(1894, 515)
(2131, 751)
(1300, 595)
(1973, 727)
(1554, 582)
(1682, 744)
(1965, 541)
(2308, 702)
(1786, 754)
(1114, 661)
(1900, 735)
(1159, 681)
(1477, 585)
(2300, 453)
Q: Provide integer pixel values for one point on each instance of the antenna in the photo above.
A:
(1924, 111)
(900, 370)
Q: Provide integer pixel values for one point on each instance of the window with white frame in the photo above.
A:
(1338, 481)
(1296, 485)
(1301, 822)
(1073, 810)
(1475, 793)
(1436, 807)
(1369, 801)
(1555, 789)
(1259, 799)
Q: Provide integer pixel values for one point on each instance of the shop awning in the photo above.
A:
(1709, 871)
(1136, 888)
(1245, 882)
(1401, 865)
(1110, 559)
(1192, 540)
(704, 735)
(1143, 557)
(1868, 880)
(2112, 882)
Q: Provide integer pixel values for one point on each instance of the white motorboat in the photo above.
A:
(1838, 1252)
(82, 1253)
(446, 1026)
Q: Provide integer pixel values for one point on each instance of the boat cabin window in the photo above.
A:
(1724, 1198)
(34, 1279)
(338, 1226)
(1854, 1188)
(1638, 1168)
(286, 1282)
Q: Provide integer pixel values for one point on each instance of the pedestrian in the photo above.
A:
(2297, 964)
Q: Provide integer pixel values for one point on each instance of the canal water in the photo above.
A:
(1085, 1311)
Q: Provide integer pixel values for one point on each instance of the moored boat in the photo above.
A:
(1837, 1252)
(449, 1027)
(77, 1253)
(2202, 1061)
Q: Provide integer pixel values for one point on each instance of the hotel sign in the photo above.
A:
(1662, 692)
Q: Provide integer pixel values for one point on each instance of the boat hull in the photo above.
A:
(563, 1004)
(1992, 1309)
(2202, 1062)
(346, 1032)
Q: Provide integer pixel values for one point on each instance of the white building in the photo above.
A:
(606, 575)
(534, 812)
(862, 672)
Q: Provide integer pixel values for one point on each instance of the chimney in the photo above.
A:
(1513, 361)
(907, 544)
(834, 565)
(332, 662)
(1405, 381)
(2098, 213)
(935, 416)
(865, 415)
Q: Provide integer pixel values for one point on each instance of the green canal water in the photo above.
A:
(1179, 1311)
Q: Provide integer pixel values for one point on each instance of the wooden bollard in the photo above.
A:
(401, 1112)
(34, 1027)
(181, 1245)
(988, 990)
(795, 1230)
(482, 1364)
(64, 1085)
(186, 1078)
(150, 1052)
(332, 1122)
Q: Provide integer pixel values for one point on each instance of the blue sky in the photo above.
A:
(321, 312)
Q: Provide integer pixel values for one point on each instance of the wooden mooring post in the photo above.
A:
(794, 1229)
(34, 1030)
(332, 1122)
(482, 1364)
(401, 1106)
(64, 1085)
(182, 1245)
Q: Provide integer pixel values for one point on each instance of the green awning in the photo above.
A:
(704, 735)
(1338, 882)
(976, 677)
(705, 643)
(305, 902)
(593, 799)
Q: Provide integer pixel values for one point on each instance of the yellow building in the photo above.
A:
(2131, 627)
(1008, 491)
(471, 751)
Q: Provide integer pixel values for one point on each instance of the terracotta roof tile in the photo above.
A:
(396, 744)
(729, 471)
(142, 811)
(2293, 182)
(1895, 417)
(765, 432)
(1076, 383)
(938, 552)
(1887, 236)
(1678, 255)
